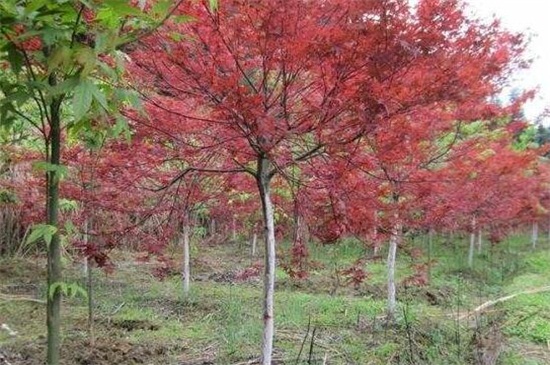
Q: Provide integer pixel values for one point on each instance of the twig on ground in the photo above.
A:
(117, 309)
(18, 298)
(493, 302)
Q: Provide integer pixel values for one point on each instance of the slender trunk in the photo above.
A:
(213, 227)
(89, 289)
(471, 250)
(430, 247)
(299, 249)
(472, 244)
(85, 267)
(253, 244)
(376, 246)
(186, 271)
(86, 264)
(53, 306)
(263, 180)
(535, 234)
(479, 240)
(392, 254)
(234, 229)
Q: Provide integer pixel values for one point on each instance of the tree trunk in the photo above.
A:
(263, 180)
(472, 244)
(535, 235)
(186, 270)
(89, 286)
(374, 235)
(253, 244)
(53, 306)
(213, 227)
(392, 254)
(479, 240)
(89, 289)
(430, 248)
(472, 249)
(234, 229)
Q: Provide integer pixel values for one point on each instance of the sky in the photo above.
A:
(529, 17)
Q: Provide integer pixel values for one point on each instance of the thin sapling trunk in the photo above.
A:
(479, 240)
(395, 238)
(263, 180)
(535, 235)
(89, 289)
(472, 244)
(253, 244)
(186, 270)
(53, 305)
(430, 248)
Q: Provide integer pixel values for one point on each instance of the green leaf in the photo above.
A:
(64, 87)
(161, 8)
(75, 290)
(105, 40)
(213, 5)
(51, 36)
(6, 114)
(99, 97)
(41, 231)
(67, 205)
(46, 166)
(179, 19)
(121, 127)
(59, 170)
(107, 17)
(70, 228)
(35, 5)
(71, 290)
(82, 99)
(15, 58)
(54, 287)
(121, 8)
(61, 56)
(135, 102)
(86, 57)
(108, 71)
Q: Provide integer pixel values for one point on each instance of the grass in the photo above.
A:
(219, 322)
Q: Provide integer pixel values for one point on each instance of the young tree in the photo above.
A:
(56, 55)
(267, 85)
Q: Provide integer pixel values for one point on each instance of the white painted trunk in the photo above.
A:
(479, 240)
(392, 254)
(472, 249)
(254, 244)
(430, 249)
(472, 243)
(535, 234)
(234, 229)
(269, 270)
(186, 269)
(85, 267)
